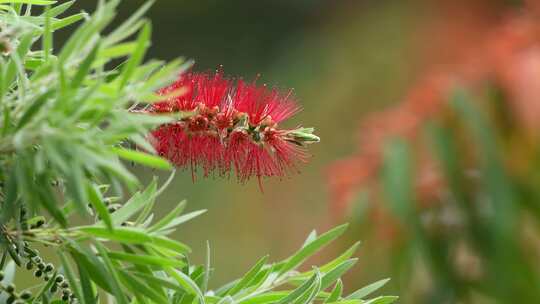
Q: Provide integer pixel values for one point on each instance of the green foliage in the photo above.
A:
(65, 126)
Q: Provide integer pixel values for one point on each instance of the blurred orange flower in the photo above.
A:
(470, 45)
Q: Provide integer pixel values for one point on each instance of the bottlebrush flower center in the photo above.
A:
(212, 122)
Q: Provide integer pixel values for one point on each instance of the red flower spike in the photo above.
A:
(230, 126)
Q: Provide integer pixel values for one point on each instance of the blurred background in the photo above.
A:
(428, 113)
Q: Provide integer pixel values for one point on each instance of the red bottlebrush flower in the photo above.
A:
(230, 125)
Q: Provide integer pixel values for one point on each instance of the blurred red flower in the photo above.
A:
(478, 46)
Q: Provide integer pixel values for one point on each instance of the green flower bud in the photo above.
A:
(302, 136)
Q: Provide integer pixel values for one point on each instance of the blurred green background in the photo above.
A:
(344, 59)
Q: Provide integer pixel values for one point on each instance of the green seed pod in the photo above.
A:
(13, 252)
(40, 223)
(10, 288)
(59, 278)
(49, 267)
(31, 252)
(112, 208)
(25, 295)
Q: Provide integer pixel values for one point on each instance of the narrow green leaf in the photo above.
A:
(207, 268)
(330, 265)
(59, 9)
(367, 290)
(47, 38)
(187, 283)
(6, 114)
(336, 292)
(135, 204)
(301, 290)
(226, 300)
(336, 273)
(310, 238)
(88, 290)
(96, 269)
(311, 248)
(71, 278)
(143, 41)
(141, 289)
(248, 277)
(125, 235)
(182, 219)
(9, 205)
(167, 283)
(94, 196)
(33, 109)
(114, 280)
(145, 259)
(142, 158)
(133, 23)
(266, 298)
(76, 187)
(170, 244)
(34, 2)
(383, 300)
(85, 67)
(61, 23)
(169, 217)
(118, 50)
